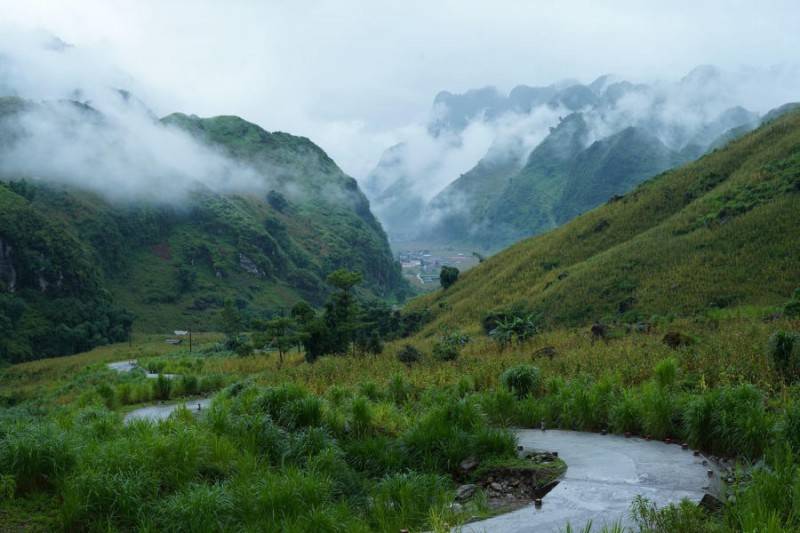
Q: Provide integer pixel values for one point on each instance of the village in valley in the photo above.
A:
(421, 265)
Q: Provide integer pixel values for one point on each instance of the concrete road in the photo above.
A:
(604, 474)
(161, 412)
(127, 366)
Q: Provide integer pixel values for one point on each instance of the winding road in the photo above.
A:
(604, 474)
(160, 411)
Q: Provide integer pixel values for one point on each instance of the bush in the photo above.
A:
(446, 352)
(196, 509)
(665, 372)
(522, 380)
(448, 276)
(792, 307)
(36, 454)
(189, 385)
(449, 345)
(403, 501)
(162, 387)
(409, 355)
(784, 352)
(729, 421)
(449, 433)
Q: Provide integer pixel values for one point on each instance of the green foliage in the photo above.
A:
(404, 500)
(522, 380)
(448, 276)
(450, 433)
(514, 329)
(37, 454)
(685, 517)
(792, 307)
(408, 355)
(665, 372)
(162, 387)
(784, 352)
(449, 345)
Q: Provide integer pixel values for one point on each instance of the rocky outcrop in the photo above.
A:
(8, 275)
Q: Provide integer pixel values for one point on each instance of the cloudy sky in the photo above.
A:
(352, 75)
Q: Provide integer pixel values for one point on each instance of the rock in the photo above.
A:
(469, 464)
(710, 503)
(456, 507)
(250, 266)
(465, 492)
(496, 487)
(547, 351)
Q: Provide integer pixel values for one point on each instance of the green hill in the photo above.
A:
(173, 264)
(721, 231)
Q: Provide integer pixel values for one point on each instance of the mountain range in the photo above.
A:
(720, 232)
(605, 138)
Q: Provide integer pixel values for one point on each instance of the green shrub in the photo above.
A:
(685, 517)
(792, 307)
(361, 416)
(409, 355)
(162, 387)
(445, 351)
(404, 500)
(665, 372)
(784, 352)
(790, 426)
(625, 414)
(398, 389)
(729, 421)
(36, 454)
(659, 412)
(450, 432)
(189, 385)
(522, 380)
(196, 509)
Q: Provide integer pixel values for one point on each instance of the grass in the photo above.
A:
(368, 443)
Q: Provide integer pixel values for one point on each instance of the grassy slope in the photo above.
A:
(722, 230)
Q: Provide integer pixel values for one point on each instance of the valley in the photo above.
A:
(568, 301)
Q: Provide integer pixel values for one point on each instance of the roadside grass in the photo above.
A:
(370, 443)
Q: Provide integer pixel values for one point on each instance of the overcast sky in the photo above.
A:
(352, 74)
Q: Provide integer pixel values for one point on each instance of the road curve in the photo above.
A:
(604, 474)
(161, 411)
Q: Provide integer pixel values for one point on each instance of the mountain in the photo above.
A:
(562, 178)
(173, 262)
(629, 132)
(718, 232)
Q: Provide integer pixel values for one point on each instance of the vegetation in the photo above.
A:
(663, 250)
(338, 436)
(447, 276)
(71, 260)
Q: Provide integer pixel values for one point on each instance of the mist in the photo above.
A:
(79, 125)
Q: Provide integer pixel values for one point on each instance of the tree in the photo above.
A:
(448, 276)
(303, 313)
(281, 333)
(231, 322)
(341, 311)
(344, 279)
